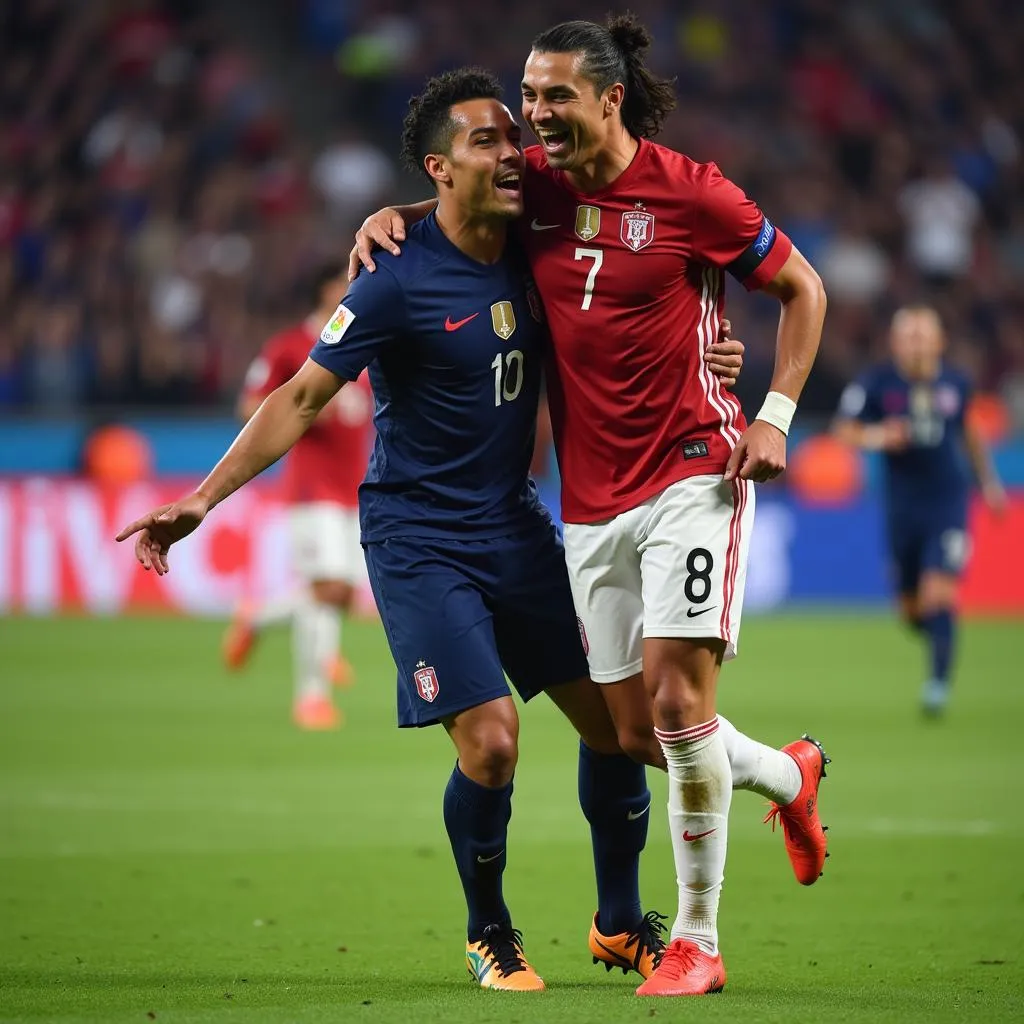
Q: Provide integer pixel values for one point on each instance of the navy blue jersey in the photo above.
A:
(932, 471)
(454, 349)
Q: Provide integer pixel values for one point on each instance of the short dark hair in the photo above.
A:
(428, 126)
(614, 52)
(318, 279)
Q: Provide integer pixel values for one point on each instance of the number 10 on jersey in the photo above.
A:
(508, 376)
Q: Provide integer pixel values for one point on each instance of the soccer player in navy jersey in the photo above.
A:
(630, 243)
(912, 409)
(465, 563)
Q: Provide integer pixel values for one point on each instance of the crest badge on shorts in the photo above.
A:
(588, 222)
(503, 319)
(637, 229)
(425, 679)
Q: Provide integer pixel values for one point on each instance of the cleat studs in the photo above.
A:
(596, 961)
(625, 970)
(824, 828)
(827, 855)
(608, 967)
(820, 873)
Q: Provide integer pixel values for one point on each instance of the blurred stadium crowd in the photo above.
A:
(161, 201)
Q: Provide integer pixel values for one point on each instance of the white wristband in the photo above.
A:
(777, 410)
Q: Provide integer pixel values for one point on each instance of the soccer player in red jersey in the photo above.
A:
(629, 243)
(320, 481)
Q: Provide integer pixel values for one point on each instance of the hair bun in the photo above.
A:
(630, 35)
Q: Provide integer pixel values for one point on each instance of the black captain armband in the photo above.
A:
(755, 254)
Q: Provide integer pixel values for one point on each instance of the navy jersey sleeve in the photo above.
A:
(370, 318)
(860, 400)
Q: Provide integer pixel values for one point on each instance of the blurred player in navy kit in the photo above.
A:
(465, 563)
(912, 408)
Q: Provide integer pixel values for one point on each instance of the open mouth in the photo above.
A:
(510, 184)
(554, 140)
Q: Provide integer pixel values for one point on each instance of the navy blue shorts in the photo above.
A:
(461, 615)
(921, 544)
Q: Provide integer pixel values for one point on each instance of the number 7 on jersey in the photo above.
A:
(597, 255)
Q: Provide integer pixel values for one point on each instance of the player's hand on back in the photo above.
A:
(725, 356)
(759, 455)
(159, 529)
(382, 230)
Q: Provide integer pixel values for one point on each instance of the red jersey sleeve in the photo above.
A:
(730, 231)
(269, 370)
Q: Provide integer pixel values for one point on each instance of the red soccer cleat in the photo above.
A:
(340, 672)
(239, 638)
(316, 714)
(685, 970)
(805, 837)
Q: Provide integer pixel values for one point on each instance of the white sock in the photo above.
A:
(763, 769)
(309, 629)
(327, 632)
(275, 611)
(699, 795)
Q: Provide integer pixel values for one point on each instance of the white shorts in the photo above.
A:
(674, 566)
(325, 542)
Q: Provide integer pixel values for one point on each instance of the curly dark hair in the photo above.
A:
(428, 126)
(614, 52)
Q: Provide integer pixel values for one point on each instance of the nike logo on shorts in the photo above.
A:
(633, 815)
(692, 613)
(487, 860)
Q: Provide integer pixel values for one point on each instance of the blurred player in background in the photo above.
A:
(628, 242)
(320, 480)
(913, 410)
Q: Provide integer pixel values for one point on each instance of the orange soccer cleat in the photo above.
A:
(316, 714)
(239, 638)
(805, 836)
(685, 970)
(340, 672)
(497, 961)
(639, 950)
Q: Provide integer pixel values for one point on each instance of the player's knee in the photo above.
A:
(491, 754)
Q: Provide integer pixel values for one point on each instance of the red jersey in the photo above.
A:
(329, 461)
(632, 284)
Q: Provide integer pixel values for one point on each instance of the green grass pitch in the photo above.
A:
(172, 849)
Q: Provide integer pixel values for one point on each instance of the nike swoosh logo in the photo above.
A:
(633, 815)
(449, 326)
(691, 614)
(537, 226)
(687, 838)
(487, 860)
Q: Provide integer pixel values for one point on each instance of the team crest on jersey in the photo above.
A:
(533, 299)
(335, 328)
(637, 229)
(503, 319)
(426, 681)
(588, 222)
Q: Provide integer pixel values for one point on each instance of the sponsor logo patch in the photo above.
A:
(335, 328)
(764, 240)
(695, 449)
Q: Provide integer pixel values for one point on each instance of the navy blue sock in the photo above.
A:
(616, 801)
(477, 818)
(938, 627)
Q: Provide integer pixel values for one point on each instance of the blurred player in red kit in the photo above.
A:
(320, 480)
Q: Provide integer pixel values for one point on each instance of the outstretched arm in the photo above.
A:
(984, 472)
(279, 422)
(760, 453)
